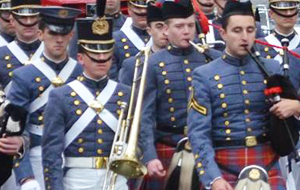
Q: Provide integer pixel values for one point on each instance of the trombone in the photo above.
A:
(123, 157)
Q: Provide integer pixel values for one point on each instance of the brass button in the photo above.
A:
(73, 94)
(199, 164)
(217, 77)
(99, 151)
(99, 141)
(127, 55)
(80, 140)
(10, 74)
(190, 88)
(99, 121)
(266, 49)
(224, 105)
(173, 118)
(245, 91)
(244, 82)
(118, 112)
(41, 88)
(228, 131)
(249, 129)
(242, 72)
(126, 47)
(172, 109)
(146, 40)
(170, 100)
(247, 120)
(189, 79)
(7, 57)
(46, 170)
(246, 111)
(97, 93)
(9, 65)
(119, 102)
(120, 94)
(224, 56)
(220, 86)
(80, 150)
(268, 57)
(227, 123)
(38, 79)
(16, 165)
(197, 156)
(265, 81)
(201, 172)
(76, 102)
(167, 81)
(225, 114)
(46, 178)
(80, 78)
(161, 64)
(281, 52)
(222, 95)
(100, 131)
(247, 102)
(48, 187)
(40, 118)
(78, 112)
(186, 61)
(228, 138)
(164, 73)
(168, 91)
(169, 47)
(123, 40)
(188, 70)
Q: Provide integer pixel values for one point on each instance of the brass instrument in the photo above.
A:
(123, 158)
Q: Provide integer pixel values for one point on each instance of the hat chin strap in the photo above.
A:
(98, 60)
(26, 25)
(205, 5)
(283, 15)
(218, 4)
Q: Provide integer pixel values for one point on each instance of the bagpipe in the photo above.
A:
(12, 123)
(282, 133)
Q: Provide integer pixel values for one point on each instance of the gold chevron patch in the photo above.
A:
(195, 105)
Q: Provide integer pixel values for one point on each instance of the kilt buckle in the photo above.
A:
(250, 141)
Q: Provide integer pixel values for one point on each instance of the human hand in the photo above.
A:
(155, 168)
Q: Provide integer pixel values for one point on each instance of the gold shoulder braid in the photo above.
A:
(195, 105)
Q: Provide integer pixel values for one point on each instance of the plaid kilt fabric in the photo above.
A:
(237, 158)
(164, 154)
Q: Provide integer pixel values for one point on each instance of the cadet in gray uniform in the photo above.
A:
(7, 31)
(112, 10)
(167, 90)
(132, 36)
(32, 83)
(81, 117)
(155, 29)
(228, 119)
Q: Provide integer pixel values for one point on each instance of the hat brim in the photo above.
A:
(60, 29)
(97, 46)
(285, 5)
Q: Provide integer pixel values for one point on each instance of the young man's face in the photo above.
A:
(55, 44)
(26, 33)
(96, 65)
(239, 35)
(180, 31)
(155, 29)
(112, 6)
(5, 24)
(138, 15)
(284, 23)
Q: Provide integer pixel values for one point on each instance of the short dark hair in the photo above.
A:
(225, 21)
(42, 25)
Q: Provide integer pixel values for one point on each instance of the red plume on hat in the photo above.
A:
(202, 18)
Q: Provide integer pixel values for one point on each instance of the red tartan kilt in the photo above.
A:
(237, 158)
(164, 154)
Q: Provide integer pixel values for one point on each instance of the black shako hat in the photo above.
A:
(95, 34)
(237, 8)
(59, 19)
(154, 11)
(177, 9)
(25, 7)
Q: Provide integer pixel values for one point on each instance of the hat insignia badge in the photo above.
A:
(100, 26)
(63, 13)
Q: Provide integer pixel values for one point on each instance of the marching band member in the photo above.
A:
(81, 117)
(32, 83)
(7, 31)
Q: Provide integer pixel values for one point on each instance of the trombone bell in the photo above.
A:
(129, 167)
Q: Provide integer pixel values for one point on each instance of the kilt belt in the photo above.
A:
(249, 141)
